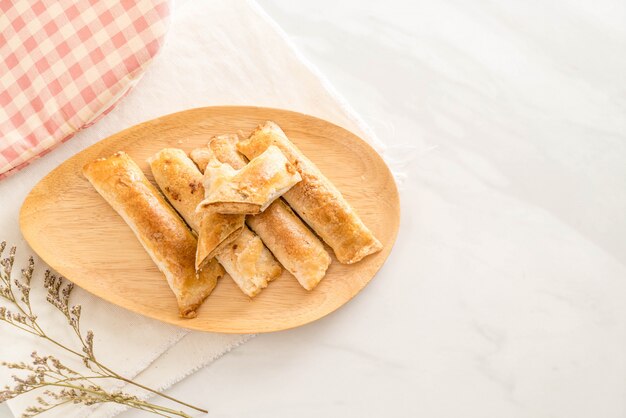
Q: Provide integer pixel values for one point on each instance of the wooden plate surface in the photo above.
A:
(80, 236)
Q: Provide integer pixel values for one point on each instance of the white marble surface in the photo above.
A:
(504, 295)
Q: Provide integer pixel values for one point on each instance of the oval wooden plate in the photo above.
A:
(80, 236)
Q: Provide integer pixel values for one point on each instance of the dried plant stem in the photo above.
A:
(142, 404)
(139, 385)
(47, 371)
(108, 373)
(55, 405)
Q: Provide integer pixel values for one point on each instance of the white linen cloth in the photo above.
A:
(216, 53)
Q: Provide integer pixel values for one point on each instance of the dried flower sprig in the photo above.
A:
(61, 384)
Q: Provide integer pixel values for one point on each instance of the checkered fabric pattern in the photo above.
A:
(66, 63)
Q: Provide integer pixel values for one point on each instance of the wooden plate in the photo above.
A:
(80, 236)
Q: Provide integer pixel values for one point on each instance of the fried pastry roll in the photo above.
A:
(289, 239)
(181, 182)
(315, 198)
(252, 188)
(245, 258)
(163, 234)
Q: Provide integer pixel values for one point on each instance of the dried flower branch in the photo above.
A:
(61, 384)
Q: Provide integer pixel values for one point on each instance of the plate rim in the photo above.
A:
(189, 323)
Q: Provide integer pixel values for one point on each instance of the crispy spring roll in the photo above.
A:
(289, 239)
(180, 182)
(316, 199)
(252, 188)
(245, 259)
(292, 243)
(163, 234)
(251, 265)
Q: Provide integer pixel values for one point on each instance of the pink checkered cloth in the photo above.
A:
(66, 63)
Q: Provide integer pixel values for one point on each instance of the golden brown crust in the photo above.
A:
(249, 263)
(181, 182)
(252, 188)
(224, 148)
(216, 231)
(174, 174)
(245, 258)
(292, 243)
(289, 239)
(163, 234)
(201, 157)
(316, 199)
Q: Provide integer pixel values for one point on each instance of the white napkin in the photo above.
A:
(216, 53)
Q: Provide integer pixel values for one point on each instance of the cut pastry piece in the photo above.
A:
(251, 268)
(249, 263)
(201, 157)
(251, 189)
(181, 182)
(289, 239)
(163, 234)
(316, 199)
(292, 243)
(224, 148)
